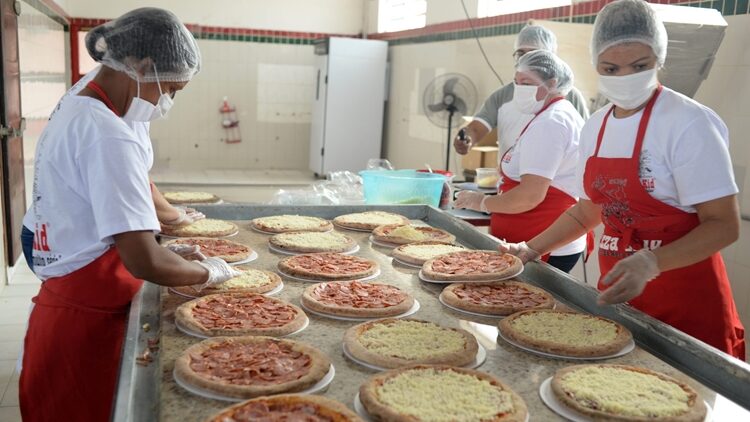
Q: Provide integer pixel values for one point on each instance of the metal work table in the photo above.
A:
(149, 393)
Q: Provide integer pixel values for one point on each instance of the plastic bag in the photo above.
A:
(341, 188)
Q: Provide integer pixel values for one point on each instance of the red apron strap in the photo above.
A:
(103, 96)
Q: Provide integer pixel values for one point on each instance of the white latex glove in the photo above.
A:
(471, 200)
(218, 272)
(185, 217)
(630, 276)
(521, 250)
(189, 252)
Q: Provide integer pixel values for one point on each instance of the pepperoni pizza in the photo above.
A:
(250, 281)
(220, 248)
(357, 299)
(328, 266)
(496, 298)
(240, 314)
(287, 407)
(472, 266)
(246, 367)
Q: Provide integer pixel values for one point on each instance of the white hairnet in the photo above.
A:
(626, 21)
(535, 37)
(146, 43)
(548, 67)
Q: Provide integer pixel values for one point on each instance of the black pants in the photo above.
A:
(27, 246)
(564, 262)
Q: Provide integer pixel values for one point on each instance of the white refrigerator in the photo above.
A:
(347, 115)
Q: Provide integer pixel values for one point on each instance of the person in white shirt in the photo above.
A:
(655, 169)
(538, 170)
(499, 111)
(94, 219)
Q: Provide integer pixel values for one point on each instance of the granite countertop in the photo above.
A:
(522, 371)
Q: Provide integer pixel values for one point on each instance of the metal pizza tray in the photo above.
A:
(149, 393)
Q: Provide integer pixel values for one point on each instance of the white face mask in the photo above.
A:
(141, 110)
(525, 97)
(630, 91)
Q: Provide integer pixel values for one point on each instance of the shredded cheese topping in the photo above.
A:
(409, 232)
(249, 278)
(189, 196)
(427, 252)
(444, 395)
(623, 392)
(411, 340)
(291, 222)
(379, 218)
(313, 239)
(566, 328)
(206, 225)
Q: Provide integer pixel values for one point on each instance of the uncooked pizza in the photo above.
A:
(237, 314)
(393, 343)
(328, 266)
(401, 234)
(496, 298)
(439, 393)
(246, 367)
(291, 223)
(287, 407)
(472, 266)
(182, 197)
(208, 227)
(357, 299)
(220, 248)
(369, 220)
(421, 252)
(565, 333)
(250, 281)
(311, 242)
(626, 393)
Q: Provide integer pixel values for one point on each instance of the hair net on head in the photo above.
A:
(548, 67)
(628, 21)
(536, 37)
(146, 44)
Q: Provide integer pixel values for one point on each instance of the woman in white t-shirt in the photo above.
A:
(655, 169)
(539, 169)
(94, 220)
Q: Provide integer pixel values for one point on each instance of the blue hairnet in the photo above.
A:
(548, 67)
(146, 43)
(535, 37)
(626, 21)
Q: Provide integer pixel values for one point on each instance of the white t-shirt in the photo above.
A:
(685, 156)
(549, 148)
(91, 182)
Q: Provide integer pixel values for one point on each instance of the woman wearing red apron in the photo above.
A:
(94, 219)
(539, 169)
(656, 172)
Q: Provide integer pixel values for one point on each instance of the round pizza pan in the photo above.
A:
(359, 408)
(199, 335)
(624, 351)
(277, 250)
(253, 256)
(478, 360)
(549, 399)
(310, 280)
(411, 311)
(276, 290)
(198, 391)
(429, 280)
(405, 264)
(388, 245)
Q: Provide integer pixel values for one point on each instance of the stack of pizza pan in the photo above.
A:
(425, 369)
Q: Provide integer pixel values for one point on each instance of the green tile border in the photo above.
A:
(264, 39)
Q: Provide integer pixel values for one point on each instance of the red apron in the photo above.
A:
(74, 342)
(696, 299)
(521, 227)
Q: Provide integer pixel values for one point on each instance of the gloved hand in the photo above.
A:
(462, 146)
(630, 276)
(186, 216)
(189, 252)
(471, 200)
(521, 250)
(218, 272)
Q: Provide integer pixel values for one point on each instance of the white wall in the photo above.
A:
(411, 139)
(327, 16)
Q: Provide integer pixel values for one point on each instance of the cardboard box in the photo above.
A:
(480, 157)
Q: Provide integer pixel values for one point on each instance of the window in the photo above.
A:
(505, 7)
(399, 15)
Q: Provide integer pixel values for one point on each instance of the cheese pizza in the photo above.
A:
(392, 343)
(183, 197)
(208, 227)
(250, 281)
(245, 367)
(420, 252)
(310, 242)
(401, 234)
(291, 223)
(369, 220)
